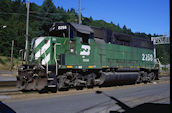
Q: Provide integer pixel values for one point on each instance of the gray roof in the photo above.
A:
(82, 28)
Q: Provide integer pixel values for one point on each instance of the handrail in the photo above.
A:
(21, 51)
(46, 63)
(55, 57)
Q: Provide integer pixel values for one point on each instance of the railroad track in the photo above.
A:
(7, 83)
(9, 88)
(10, 92)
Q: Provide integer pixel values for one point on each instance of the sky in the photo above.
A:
(149, 16)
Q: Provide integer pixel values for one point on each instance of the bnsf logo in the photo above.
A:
(85, 50)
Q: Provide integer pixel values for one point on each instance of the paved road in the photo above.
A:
(6, 75)
(90, 102)
(7, 78)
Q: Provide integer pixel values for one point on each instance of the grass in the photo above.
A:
(5, 63)
(165, 73)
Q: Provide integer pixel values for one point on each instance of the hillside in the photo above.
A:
(13, 24)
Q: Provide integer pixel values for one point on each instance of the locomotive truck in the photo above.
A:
(78, 56)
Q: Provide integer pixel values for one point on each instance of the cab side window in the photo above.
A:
(84, 38)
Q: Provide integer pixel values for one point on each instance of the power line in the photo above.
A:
(33, 12)
(29, 15)
(12, 13)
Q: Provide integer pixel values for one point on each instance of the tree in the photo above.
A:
(124, 28)
(47, 13)
(72, 16)
(163, 53)
(4, 9)
(13, 15)
(61, 15)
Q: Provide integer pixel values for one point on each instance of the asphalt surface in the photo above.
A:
(6, 72)
(7, 78)
(114, 100)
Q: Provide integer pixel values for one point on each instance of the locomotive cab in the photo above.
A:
(72, 30)
(62, 37)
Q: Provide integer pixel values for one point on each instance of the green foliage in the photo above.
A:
(163, 53)
(72, 16)
(5, 8)
(13, 16)
(48, 17)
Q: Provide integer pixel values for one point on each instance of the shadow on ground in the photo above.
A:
(5, 109)
(143, 108)
(148, 108)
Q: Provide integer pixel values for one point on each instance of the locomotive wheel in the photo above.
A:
(79, 82)
(53, 90)
(151, 76)
(59, 88)
(90, 80)
(60, 84)
(145, 77)
(90, 83)
(79, 88)
(78, 85)
(43, 91)
(139, 80)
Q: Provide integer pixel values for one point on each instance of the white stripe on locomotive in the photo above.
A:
(42, 50)
(38, 41)
(46, 59)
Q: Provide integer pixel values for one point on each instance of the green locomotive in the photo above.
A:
(80, 56)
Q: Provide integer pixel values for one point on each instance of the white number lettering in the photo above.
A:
(62, 27)
(143, 57)
(147, 57)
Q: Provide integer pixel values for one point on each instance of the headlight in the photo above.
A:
(21, 67)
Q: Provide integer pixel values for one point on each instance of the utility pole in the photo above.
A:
(12, 46)
(79, 13)
(27, 27)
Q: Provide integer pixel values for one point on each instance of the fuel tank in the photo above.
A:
(118, 78)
